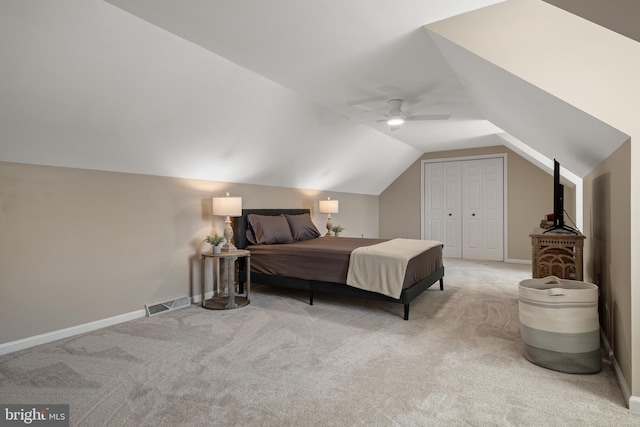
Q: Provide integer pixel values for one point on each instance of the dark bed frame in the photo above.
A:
(241, 242)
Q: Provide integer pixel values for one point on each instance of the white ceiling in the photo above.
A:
(336, 53)
(252, 91)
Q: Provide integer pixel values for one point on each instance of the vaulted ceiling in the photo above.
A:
(284, 92)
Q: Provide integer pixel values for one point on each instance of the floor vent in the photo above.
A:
(170, 305)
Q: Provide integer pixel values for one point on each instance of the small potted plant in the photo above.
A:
(216, 242)
(337, 229)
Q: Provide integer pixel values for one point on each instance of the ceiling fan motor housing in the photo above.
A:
(395, 106)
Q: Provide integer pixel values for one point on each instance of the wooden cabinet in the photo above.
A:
(556, 253)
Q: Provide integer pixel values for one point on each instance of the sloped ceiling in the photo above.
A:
(553, 127)
(532, 82)
(282, 93)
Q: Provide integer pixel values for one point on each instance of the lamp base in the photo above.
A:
(329, 225)
(228, 234)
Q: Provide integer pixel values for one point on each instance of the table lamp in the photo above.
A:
(227, 206)
(329, 206)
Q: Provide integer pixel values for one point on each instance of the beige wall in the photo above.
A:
(78, 246)
(529, 198)
(607, 209)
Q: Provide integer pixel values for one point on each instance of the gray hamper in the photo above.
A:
(559, 324)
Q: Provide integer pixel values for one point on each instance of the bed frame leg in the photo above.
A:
(310, 297)
(406, 312)
(441, 284)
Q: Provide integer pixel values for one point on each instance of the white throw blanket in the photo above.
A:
(381, 267)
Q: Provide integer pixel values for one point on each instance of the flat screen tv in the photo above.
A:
(558, 202)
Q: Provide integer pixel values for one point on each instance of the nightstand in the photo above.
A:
(220, 301)
(556, 253)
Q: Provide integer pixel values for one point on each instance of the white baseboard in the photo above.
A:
(518, 261)
(198, 298)
(10, 347)
(633, 402)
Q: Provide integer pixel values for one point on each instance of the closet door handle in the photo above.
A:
(450, 214)
(473, 214)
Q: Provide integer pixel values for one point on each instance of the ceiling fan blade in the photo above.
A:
(418, 117)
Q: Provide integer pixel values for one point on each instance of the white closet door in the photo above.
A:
(493, 209)
(442, 199)
(472, 209)
(483, 201)
(452, 201)
(433, 210)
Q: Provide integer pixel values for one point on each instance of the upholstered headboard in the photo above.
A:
(240, 223)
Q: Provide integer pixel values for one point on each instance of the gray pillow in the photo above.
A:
(302, 228)
(250, 236)
(269, 229)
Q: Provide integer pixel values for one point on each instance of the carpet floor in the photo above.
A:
(341, 362)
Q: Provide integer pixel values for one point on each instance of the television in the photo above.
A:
(558, 203)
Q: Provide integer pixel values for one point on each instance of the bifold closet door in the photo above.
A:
(442, 201)
(482, 209)
(463, 207)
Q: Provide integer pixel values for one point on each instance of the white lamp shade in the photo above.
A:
(227, 206)
(329, 206)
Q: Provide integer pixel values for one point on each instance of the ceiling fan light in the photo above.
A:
(395, 121)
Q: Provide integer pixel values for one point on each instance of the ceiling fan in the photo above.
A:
(397, 117)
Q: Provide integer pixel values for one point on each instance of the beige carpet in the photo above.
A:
(340, 362)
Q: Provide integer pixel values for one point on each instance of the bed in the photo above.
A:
(321, 264)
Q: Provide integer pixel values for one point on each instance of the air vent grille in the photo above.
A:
(161, 307)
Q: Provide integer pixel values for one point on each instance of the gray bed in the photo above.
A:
(320, 264)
